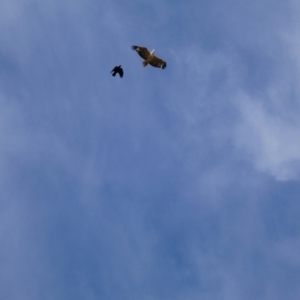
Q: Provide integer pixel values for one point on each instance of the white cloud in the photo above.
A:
(262, 103)
(268, 131)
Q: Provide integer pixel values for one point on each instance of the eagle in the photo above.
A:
(117, 69)
(149, 57)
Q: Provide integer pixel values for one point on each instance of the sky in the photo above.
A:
(180, 183)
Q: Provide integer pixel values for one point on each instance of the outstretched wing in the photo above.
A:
(121, 72)
(158, 63)
(142, 51)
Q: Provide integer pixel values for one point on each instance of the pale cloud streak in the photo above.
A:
(270, 139)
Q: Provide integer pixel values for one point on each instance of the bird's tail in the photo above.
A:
(145, 63)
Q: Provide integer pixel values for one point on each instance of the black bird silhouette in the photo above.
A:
(117, 69)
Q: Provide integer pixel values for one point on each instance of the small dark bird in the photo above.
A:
(117, 69)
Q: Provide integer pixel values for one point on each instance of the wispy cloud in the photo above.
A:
(269, 138)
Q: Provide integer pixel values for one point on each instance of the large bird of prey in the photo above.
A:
(117, 69)
(149, 57)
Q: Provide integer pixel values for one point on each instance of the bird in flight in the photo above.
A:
(149, 57)
(117, 70)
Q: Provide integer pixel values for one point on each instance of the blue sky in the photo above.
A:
(176, 184)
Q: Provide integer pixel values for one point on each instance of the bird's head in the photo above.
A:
(152, 52)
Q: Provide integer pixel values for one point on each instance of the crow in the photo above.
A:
(117, 69)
